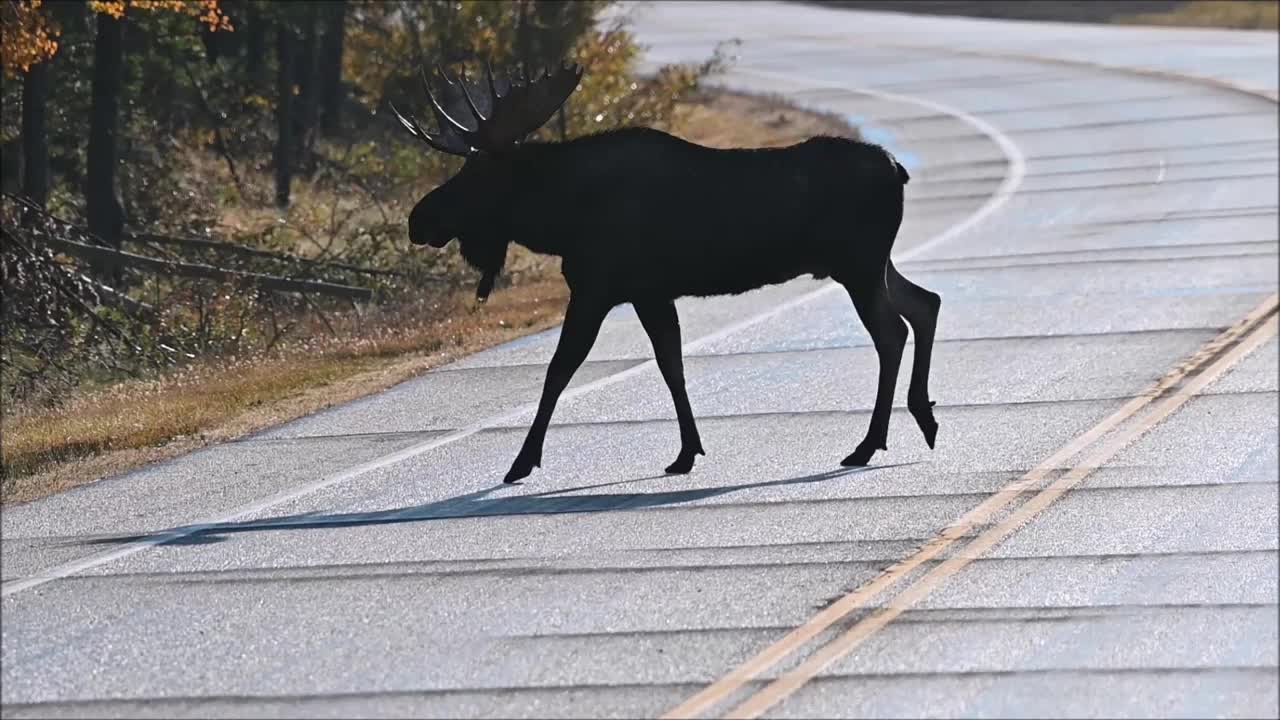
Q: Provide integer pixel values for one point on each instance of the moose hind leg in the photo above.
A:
(582, 321)
(889, 333)
(920, 307)
(662, 324)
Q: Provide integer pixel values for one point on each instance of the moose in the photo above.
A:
(640, 216)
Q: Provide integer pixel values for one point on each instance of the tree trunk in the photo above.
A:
(211, 40)
(102, 205)
(255, 48)
(284, 114)
(35, 134)
(550, 38)
(308, 79)
(524, 40)
(331, 95)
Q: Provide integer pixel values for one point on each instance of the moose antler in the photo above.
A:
(473, 117)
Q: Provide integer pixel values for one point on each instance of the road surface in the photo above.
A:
(1095, 534)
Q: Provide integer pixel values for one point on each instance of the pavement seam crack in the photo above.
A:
(855, 412)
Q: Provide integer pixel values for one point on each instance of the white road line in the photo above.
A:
(1012, 180)
(1013, 177)
(1017, 170)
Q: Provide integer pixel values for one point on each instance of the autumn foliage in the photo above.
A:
(256, 180)
(27, 34)
(30, 36)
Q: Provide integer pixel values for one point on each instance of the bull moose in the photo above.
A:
(640, 216)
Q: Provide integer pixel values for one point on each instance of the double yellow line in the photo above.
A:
(1110, 436)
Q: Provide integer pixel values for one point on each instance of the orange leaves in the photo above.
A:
(28, 36)
(114, 8)
(207, 11)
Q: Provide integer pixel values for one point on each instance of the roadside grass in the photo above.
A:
(1234, 14)
(114, 429)
(133, 423)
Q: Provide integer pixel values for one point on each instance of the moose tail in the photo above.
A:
(902, 173)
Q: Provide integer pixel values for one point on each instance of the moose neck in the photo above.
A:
(549, 182)
(542, 196)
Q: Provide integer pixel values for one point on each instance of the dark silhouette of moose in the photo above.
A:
(640, 216)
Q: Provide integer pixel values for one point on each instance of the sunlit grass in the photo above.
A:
(1235, 14)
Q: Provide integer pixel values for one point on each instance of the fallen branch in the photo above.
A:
(170, 267)
(174, 267)
(237, 249)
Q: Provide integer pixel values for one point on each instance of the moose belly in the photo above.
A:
(726, 275)
(706, 244)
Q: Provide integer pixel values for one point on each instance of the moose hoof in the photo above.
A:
(684, 463)
(928, 425)
(861, 456)
(930, 430)
(519, 470)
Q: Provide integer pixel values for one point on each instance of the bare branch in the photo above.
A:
(219, 141)
(110, 327)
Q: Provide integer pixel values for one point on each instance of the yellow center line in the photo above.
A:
(784, 686)
(739, 676)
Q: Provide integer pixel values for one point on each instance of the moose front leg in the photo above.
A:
(578, 333)
(663, 327)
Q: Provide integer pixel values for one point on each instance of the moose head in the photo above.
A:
(484, 123)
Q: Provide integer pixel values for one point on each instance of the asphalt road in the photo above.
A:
(1093, 204)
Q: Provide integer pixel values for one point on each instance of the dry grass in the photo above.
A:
(130, 424)
(1235, 14)
(735, 120)
(137, 422)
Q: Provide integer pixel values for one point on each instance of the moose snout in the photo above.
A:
(424, 227)
(435, 241)
(422, 233)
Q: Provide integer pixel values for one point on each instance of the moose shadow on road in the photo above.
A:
(477, 505)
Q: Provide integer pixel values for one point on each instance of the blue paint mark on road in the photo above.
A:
(885, 138)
